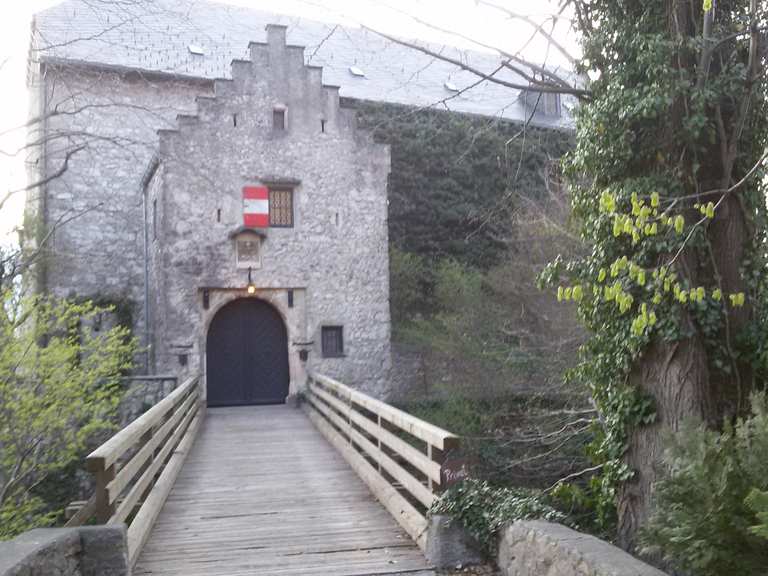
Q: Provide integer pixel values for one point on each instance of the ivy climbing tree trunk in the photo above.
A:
(668, 185)
(676, 374)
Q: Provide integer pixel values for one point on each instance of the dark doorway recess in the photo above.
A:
(247, 355)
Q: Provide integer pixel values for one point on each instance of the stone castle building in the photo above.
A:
(225, 200)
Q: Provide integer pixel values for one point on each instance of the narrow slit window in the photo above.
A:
(333, 341)
(281, 208)
(234, 120)
(278, 119)
(322, 125)
(154, 219)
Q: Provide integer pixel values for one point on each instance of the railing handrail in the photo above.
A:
(135, 469)
(404, 475)
(429, 433)
(109, 452)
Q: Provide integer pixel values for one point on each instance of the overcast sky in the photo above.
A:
(399, 17)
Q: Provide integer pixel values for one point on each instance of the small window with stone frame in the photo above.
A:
(332, 339)
(278, 119)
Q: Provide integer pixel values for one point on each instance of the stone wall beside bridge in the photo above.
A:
(84, 551)
(538, 548)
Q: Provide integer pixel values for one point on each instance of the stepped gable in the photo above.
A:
(276, 76)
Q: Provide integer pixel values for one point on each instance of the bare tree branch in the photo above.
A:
(538, 85)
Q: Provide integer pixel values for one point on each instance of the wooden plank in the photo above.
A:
(409, 482)
(103, 507)
(418, 459)
(127, 472)
(145, 480)
(83, 514)
(108, 453)
(403, 511)
(262, 492)
(414, 426)
(139, 530)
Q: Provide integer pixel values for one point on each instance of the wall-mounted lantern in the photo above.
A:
(304, 349)
(251, 288)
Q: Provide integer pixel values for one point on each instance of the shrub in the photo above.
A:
(410, 282)
(484, 510)
(59, 387)
(758, 502)
(707, 508)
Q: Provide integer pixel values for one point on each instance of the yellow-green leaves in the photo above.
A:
(707, 5)
(655, 199)
(737, 300)
(601, 275)
(566, 293)
(707, 210)
(618, 226)
(607, 202)
(643, 320)
(717, 295)
(679, 224)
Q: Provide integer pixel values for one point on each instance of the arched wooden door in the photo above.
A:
(247, 355)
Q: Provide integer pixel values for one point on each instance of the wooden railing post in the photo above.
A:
(378, 441)
(103, 509)
(439, 456)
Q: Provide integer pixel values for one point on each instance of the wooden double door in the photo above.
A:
(247, 355)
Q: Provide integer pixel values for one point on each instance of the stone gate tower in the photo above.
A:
(266, 226)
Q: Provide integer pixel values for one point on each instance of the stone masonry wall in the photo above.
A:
(107, 122)
(85, 551)
(334, 258)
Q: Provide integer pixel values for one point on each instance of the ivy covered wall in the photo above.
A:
(453, 177)
(466, 246)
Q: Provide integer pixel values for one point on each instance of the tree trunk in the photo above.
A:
(675, 375)
(680, 376)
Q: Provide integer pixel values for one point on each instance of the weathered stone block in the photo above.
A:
(45, 551)
(104, 551)
(449, 545)
(537, 548)
(91, 551)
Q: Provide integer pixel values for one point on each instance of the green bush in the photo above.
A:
(484, 510)
(758, 502)
(411, 284)
(59, 390)
(708, 507)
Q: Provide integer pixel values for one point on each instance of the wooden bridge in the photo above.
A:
(256, 490)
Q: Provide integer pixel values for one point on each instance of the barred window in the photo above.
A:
(281, 208)
(551, 104)
(333, 341)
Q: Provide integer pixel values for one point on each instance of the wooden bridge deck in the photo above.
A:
(263, 493)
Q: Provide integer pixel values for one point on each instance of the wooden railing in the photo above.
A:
(397, 455)
(135, 469)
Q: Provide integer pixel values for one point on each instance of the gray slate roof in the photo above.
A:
(156, 35)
